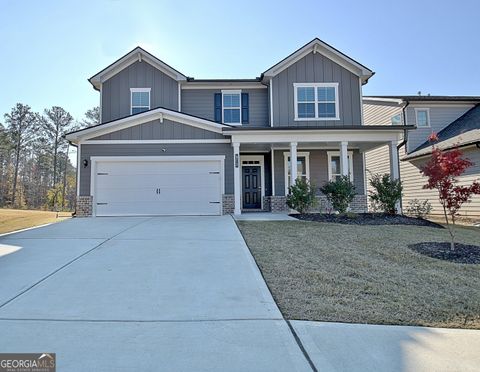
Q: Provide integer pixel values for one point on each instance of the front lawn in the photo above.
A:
(16, 219)
(365, 274)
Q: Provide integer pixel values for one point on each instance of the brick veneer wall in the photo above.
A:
(228, 203)
(84, 206)
(279, 204)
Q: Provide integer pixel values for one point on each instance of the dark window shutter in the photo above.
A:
(245, 113)
(218, 107)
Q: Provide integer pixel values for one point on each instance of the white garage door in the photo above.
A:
(157, 187)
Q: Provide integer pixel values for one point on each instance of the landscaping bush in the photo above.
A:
(301, 196)
(387, 192)
(339, 193)
(418, 208)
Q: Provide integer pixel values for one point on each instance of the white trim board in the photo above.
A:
(315, 101)
(337, 153)
(261, 164)
(144, 142)
(144, 117)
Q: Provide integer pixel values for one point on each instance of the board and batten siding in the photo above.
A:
(413, 182)
(440, 117)
(87, 151)
(315, 68)
(116, 90)
(200, 102)
(318, 169)
(155, 130)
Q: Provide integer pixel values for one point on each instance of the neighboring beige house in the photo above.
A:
(456, 120)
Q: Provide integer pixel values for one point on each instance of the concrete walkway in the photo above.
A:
(361, 347)
(164, 293)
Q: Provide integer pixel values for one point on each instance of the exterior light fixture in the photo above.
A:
(85, 163)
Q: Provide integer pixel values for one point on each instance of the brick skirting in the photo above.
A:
(279, 204)
(228, 203)
(84, 206)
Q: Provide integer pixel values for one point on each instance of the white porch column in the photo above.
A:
(344, 158)
(394, 173)
(394, 167)
(237, 187)
(293, 163)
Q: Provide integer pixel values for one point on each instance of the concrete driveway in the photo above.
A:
(163, 293)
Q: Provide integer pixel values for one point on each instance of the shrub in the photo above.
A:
(339, 193)
(301, 196)
(387, 192)
(418, 208)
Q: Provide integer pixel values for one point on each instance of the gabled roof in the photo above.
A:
(463, 131)
(137, 54)
(319, 46)
(158, 113)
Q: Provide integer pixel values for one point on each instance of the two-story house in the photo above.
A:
(170, 144)
(456, 120)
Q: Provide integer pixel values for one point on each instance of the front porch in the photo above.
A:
(264, 162)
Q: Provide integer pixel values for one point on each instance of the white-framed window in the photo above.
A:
(303, 167)
(316, 101)
(334, 168)
(232, 106)
(422, 117)
(396, 119)
(139, 100)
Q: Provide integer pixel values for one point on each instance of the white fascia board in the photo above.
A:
(129, 59)
(398, 101)
(316, 136)
(316, 46)
(225, 86)
(131, 121)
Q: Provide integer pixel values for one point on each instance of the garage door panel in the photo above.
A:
(158, 187)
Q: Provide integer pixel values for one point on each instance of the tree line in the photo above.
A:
(35, 169)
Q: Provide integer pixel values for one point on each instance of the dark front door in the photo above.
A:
(251, 187)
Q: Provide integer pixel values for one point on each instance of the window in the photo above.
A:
(396, 119)
(334, 171)
(140, 100)
(303, 167)
(231, 106)
(316, 101)
(423, 117)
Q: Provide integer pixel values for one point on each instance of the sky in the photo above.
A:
(49, 49)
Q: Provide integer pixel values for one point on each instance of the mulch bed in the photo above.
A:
(366, 219)
(466, 254)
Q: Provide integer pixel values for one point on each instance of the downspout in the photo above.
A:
(401, 144)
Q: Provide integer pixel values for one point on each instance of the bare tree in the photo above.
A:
(21, 124)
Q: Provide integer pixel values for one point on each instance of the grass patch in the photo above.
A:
(364, 274)
(16, 219)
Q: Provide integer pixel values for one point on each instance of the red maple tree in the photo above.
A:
(442, 171)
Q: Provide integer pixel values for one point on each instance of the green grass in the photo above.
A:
(364, 274)
(16, 219)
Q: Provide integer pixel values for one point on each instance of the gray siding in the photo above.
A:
(315, 68)
(154, 130)
(156, 150)
(199, 102)
(440, 117)
(116, 90)
(318, 169)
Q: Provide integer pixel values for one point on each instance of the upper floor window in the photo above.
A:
(396, 119)
(316, 101)
(140, 100)
(231, 107)
(422, 116)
